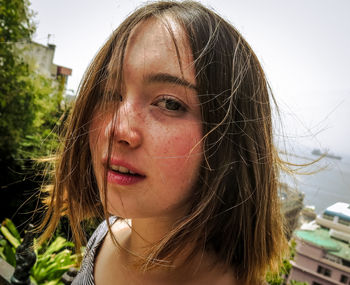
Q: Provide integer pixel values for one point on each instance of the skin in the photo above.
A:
(162, 140)
(164, 145)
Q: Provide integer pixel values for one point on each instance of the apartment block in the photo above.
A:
(323, 248)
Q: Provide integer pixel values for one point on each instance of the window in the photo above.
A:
(324, 271)
(333, 258)
(344, 279)
(316, 283)
(345, 262)
(344, 222)
(328, 217)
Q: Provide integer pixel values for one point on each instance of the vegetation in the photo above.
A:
(29, 111)
(53, 259)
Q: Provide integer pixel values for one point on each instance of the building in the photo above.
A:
(41, 58)
(323, 248)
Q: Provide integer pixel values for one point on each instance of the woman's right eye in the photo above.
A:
(170, 104)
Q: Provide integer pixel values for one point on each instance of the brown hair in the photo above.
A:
(235, 207)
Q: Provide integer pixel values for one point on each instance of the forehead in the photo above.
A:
(162, 28)
(164, 31)
(159, 46)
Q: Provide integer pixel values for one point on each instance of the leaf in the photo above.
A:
(12, 228)
(8, 253)
(57, 245)
(54, 261)
(10, 237)
(54, 282)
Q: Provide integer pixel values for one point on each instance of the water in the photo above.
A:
(329, 184)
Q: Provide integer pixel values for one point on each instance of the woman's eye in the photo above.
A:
(170, 104)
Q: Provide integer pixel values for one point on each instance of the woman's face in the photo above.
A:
(157, 148)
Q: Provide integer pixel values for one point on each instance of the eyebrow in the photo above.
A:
(168, 78)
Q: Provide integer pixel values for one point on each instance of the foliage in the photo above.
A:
(11, 241)
(29, 102)
(16, 96)
(30, 108)
(53, 259)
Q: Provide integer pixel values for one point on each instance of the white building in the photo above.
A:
(323, 248)
(41, 57)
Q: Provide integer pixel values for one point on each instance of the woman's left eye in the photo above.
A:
(170, 104)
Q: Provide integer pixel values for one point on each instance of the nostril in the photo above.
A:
(124, 142)
(123, 126)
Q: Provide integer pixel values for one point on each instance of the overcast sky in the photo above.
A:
(303, 45)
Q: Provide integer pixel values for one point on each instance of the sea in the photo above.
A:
(324, 182)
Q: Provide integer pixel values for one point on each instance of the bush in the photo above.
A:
(53, 259)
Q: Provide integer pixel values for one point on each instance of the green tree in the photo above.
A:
(16, 97)
(29, 109)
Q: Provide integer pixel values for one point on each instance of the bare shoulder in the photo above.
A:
(107, 261)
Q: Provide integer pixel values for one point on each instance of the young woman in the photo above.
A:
(170, 140)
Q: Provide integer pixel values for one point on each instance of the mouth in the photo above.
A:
(120, 172)
(123, 170)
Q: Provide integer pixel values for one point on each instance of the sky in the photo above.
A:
(303, 45)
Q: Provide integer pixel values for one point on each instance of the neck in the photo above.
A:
(146, 232)
(143, 234)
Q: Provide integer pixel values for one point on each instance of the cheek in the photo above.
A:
(180, 154)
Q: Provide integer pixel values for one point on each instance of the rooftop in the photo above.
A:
(339, 209)
(321, 238)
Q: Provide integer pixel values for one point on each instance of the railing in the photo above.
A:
(6, 271)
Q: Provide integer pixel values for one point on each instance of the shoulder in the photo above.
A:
(108, 259)
(86, 271)
(99, 234)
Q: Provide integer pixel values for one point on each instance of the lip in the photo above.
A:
(121, 178)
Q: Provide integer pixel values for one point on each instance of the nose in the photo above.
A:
(125, 126)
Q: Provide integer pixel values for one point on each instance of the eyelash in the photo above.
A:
(170, 100)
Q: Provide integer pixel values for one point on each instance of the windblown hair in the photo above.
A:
(234, 210)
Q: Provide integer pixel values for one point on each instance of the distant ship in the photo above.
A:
(326, 154)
